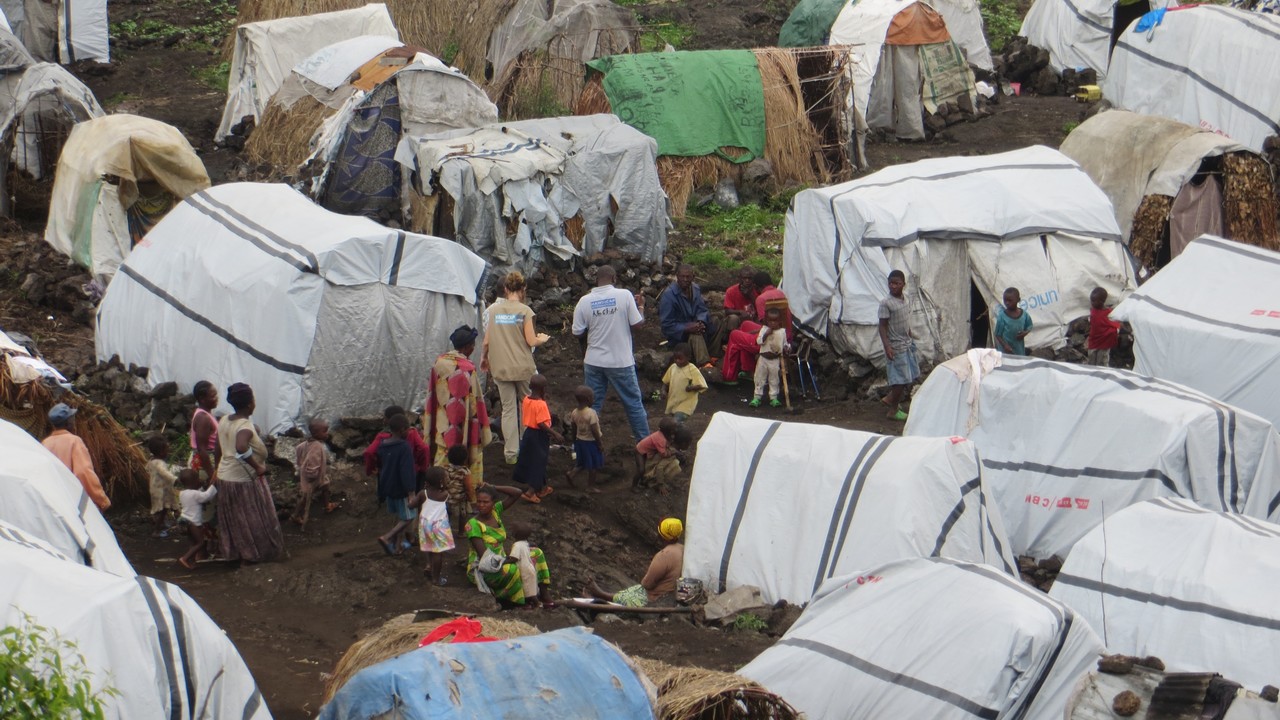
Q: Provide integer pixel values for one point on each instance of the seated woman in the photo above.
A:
(486, 532)
(660, 580)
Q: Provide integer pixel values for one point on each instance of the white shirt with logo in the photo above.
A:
(606, 315)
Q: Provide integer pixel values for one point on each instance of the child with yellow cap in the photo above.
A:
(660, 580)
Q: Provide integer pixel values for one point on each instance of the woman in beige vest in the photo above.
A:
(509, 340)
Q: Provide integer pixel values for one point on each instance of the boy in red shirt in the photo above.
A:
(658, 456)
(535, 443)
(1104, 333)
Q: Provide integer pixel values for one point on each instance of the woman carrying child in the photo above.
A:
(435, 535)
(487, 537)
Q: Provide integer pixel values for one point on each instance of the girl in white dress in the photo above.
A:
(435, 537)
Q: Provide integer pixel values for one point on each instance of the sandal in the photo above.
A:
(186, 563)
(386, 547)
(528, 496)
(546, 491)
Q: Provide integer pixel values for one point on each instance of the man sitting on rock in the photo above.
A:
(684, 315)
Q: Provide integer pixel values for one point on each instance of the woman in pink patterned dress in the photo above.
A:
(455, 413)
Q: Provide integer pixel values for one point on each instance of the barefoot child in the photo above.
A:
(535, 444)
(1013, 324)
(684, 383)
(163, 495)
(588, 441)
(1104, 333)
(462, 492)
(658, 456)
(899, 349)
(193, 499)
(397, 481)
(772, 341)
(311, 459)
(435, 535)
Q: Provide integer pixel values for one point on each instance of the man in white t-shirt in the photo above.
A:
(602, 321)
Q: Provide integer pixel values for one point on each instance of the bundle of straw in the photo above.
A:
(697, 694)
(1150, 228)
(1249, 200)
(283, 137)
(400, 635)
(116, 456)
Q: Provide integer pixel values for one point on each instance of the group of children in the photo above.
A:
(184, 495)
(1013, 325)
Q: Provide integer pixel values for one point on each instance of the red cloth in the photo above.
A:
(735, 301)
(773, 293)
(421, 453)
(1103, 331)
(740, 351)
(463, 630)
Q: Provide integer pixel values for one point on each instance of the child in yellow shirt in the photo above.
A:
(684, 383)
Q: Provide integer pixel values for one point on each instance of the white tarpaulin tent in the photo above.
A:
(40, 496)
(848, 500)
(909, 57)
(1193, 587)
(1065, 445)
(929, 638)
(1131, 156)
(144, 638)
(265, 53)
(1211, 320)
(1077, 33)
(60, 31)
(1206, 65)
(1030, 219)
(538, 174)
(117, 174)
(322, 314)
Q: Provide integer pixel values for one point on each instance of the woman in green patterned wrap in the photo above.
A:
(486, 532)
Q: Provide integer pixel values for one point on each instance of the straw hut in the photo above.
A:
(535, 62)
(1171, 182)
(683, 693)
(804, 131)
(457, 32)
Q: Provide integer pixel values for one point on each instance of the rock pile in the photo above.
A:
(46, 278)
(1028, 65)
(1039, 574)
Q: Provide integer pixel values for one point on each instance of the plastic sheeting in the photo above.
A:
(1064, 445)
(331, 66)
(597, 168)
(60, 31)
(40, 497)
(1029, 218)
(322, 314)
(1192, 587)
(568, 673)
(133, 149)
(574, 30)
(1131, 156)
(1210, 320)
(929, 638)
(1188, 67)
(265, 52)
(864, 26)
(43, 89)
(1077, 33)
(144, 638)
(848, 501)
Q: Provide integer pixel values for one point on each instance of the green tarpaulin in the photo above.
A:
(810, 23)
(692, 103)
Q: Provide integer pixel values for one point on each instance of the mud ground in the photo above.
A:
(293, 619)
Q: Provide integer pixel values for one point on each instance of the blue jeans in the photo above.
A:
(627, 386)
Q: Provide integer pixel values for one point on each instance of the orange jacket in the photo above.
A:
(72, 452)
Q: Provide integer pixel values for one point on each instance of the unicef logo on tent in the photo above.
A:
(1031, 302)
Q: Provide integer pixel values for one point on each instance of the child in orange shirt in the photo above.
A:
(535, 444)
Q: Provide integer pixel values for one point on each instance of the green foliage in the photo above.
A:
(215, 76)
(706, 257)
(209, 22)
(749, 621)
(1002, 21)
(43, 677)
(115, 99)
(541, 103)
(450, 51)
(657, 35)
(746, 235)
(1068, 126)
